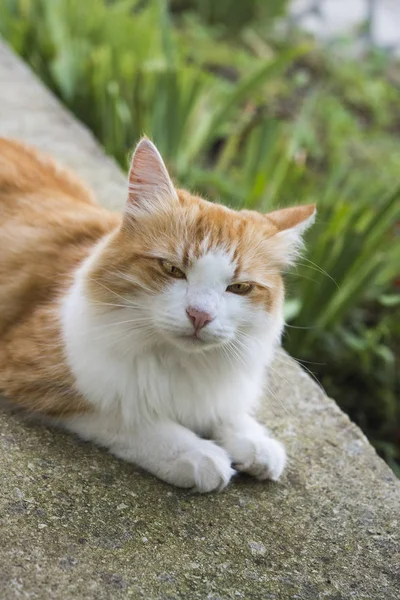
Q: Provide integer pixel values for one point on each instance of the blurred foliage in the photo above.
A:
(252, 117)
(231, 15)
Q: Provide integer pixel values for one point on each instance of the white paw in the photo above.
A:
(205, 469)
(262, 457)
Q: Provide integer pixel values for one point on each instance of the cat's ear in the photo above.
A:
(150, 186)
(291, 224)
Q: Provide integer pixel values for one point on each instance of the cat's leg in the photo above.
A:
(166, 449)
(250, 448)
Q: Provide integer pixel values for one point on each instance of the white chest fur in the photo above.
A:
(119, 372)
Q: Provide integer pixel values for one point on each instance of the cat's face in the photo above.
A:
(191, 273)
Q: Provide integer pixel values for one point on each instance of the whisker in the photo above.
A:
(298, 327)
(139, 319)
(308, 370)
(237, 354)
(270, 368)
(319, 269)
(300, 361)
(111, 291)
(97, 303)
(115, 337)
(279, 402)
(111, 329)
(227, 355)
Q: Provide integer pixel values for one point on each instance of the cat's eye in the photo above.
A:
(172, 269)
(240, 288)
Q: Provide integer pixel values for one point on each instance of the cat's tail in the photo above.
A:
(25, 169)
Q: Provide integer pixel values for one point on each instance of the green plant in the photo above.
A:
(109, 62)
(231, 15)
(365, 352)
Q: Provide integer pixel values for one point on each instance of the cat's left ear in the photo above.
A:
(150, 186)
(291, 224)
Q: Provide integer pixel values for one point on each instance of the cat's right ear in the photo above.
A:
(150, 186)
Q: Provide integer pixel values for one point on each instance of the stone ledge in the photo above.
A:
(31, 113)
(78, 524)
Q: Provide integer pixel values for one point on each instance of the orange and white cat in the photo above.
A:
(150, 332)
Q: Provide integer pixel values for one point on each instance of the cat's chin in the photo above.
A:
(191, 343)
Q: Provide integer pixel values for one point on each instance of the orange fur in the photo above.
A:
(48, 224)
(249, 233)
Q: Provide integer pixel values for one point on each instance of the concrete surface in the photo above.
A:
(76, 523)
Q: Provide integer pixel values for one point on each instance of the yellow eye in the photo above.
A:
(240, 288)
(172, 270)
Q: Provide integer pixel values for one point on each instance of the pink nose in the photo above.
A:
(199, 318)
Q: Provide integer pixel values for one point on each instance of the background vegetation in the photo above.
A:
(252, 114)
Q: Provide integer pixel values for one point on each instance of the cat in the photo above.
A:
(150, 332)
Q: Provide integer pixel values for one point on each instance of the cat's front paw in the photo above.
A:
(205, 469)
(262, 457)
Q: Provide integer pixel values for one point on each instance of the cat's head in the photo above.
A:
(191, 273)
